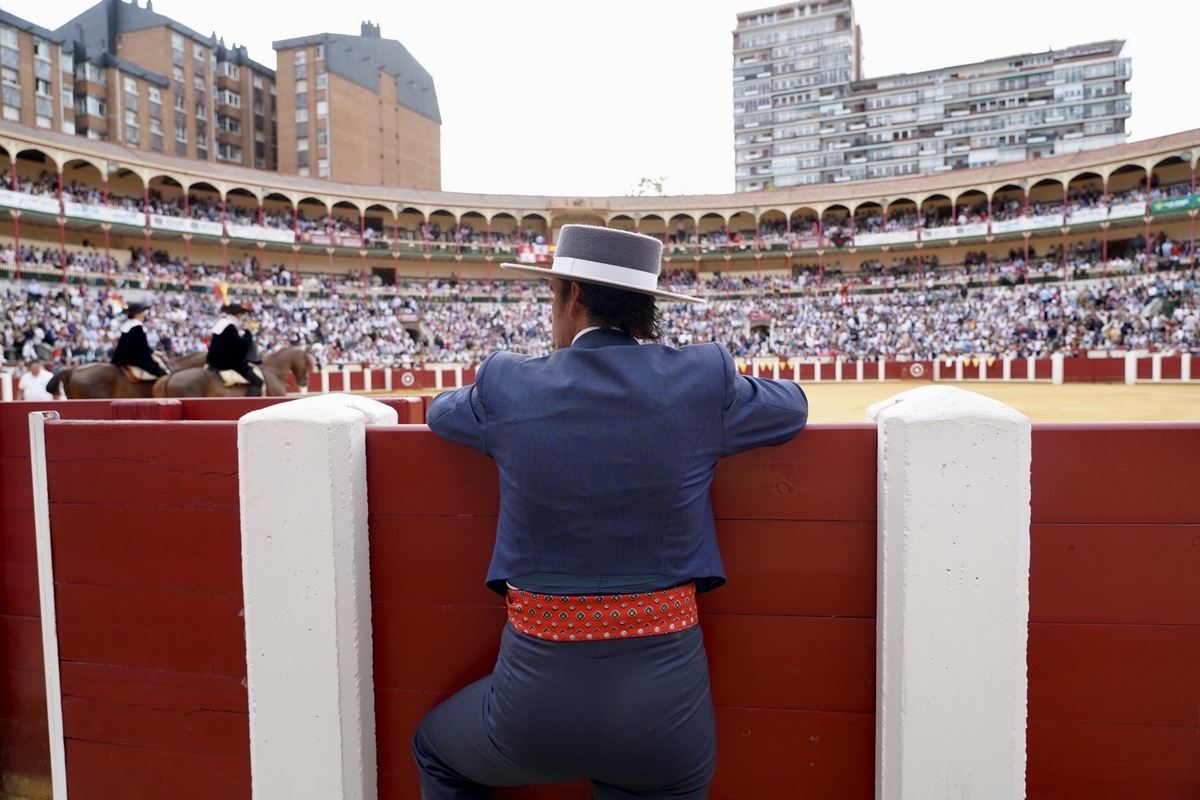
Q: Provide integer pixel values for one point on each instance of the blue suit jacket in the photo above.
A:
(606, 450)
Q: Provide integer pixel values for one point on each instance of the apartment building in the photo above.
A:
(357, 109)
(37, 82)
(148, 82)
(798, 119)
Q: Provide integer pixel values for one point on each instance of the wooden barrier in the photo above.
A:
(24, 753)
(152, 651)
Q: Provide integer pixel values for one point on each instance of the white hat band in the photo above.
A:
(607, 272)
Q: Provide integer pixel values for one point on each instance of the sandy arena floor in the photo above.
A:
(1041, 402)
(1070, 402)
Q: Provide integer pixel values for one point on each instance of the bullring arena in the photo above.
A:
(980, 607)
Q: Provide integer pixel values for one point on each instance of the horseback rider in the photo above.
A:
(133, 349)
(233, 348)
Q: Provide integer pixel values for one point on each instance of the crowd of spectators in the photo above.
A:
(1155, 311)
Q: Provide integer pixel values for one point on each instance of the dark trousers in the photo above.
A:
(634, 717)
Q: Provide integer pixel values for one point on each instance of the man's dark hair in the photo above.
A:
(634, 313)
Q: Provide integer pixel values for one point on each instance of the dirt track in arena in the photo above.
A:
(1041, 402)
(1070, 402)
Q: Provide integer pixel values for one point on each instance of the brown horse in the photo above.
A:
(203, 382)
(103, 380)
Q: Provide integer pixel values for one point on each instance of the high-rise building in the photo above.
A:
(798, 121)
(357, 109)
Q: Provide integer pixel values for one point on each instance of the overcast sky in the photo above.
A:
(562, 97)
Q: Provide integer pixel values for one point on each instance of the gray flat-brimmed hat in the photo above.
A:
(606, 256)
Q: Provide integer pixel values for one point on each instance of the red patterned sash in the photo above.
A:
(583, 618)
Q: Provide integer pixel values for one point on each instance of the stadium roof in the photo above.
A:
(361, 58)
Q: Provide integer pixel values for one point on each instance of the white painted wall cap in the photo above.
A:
(942, 403)
(325, 408)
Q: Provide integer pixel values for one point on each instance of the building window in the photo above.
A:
(320, 52)
(9, 78)
(323, 168)
(257, 81)
(66, 61)
(8, 36)
(180, 132)
(322, 80)
(322, 138)
(301, 72)
(301, 115)
(302, 159)
(228, 98)
(228, 152)
(44, 106)
(155, 94)
(227, 70)
(198, 52)
(10, 58)
(176, 41)
(322, 109)
(41, 49)
(201, 140)
(131, 85)
(42, 87)
(68, 97)
(300, 57)
(302, 99)
(301, 131)
(68, 127)
(131, 119)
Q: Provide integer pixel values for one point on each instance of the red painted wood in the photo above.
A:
(773, 754)
(798, 663)
(410, 471)
(143, 463)
(827, 472)
(160, 409)
(1144, 674)
(1043, 369)
(226, 408)
(159, 709)
(1145, 368)
(16, 483)
(26, 751)
(1115, 574)
(14, 420)
(457, 644)
(1172, 368)
(152, 774)
(1108, 370)
(19, 589)
(176, 549)
(1116, 473)
(434, 560)
(186, 631)
(828, 569)
(1107, 761)
(22, 695)
(21, 642)
(17, 542)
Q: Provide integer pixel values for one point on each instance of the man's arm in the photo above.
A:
(759, 412)
(460, 415)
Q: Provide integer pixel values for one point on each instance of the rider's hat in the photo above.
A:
(133, 309)
(234, 308)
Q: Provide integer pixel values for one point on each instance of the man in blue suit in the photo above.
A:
(606, 449)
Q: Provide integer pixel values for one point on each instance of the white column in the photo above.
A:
(1130, 369)
(45, 568)
(983, 368)
(387, 379)
(458, 373)
(837, 370)
(754, 368)
(1156, 368)
(325, 381)
(816, 372)
(306, 582)
(1056, 368)
(346, 378)
(1031, 368)
(859, 370)
(1006, 370)
(937, 369)
(775, 370)
(367, 378)
(958, 369)
(6, 387)
(438, 378)
(953, 596)
(1185, 367)
(882, 368)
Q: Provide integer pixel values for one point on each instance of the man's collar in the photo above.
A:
(602, 337)
(585, 330)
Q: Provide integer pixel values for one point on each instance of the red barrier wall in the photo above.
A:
(23, 731)
(1114, 633)
(1114, 639)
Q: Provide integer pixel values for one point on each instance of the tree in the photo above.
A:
(650, 186)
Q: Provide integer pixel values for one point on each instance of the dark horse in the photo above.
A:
(203, 382)
(101, 380)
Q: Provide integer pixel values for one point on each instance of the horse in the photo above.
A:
(103, 380)
(203, 382)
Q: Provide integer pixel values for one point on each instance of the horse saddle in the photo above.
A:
(137, 374)
(230, 377)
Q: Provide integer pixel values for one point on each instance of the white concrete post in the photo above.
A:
(325, 381)
(816, 371)
(346, 378)
(1130, 369)
(882, 374)
(1056, 368)
(1185, 367)
(983, 368)
(958, 369)
(1156, 368)
(6, 387)
(367, 378)
(858, 370)
(387, 379)
(1006, 370)
(837, 370)
(1031, 368)
(937, 369)
(953, 596)
(306, 581)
